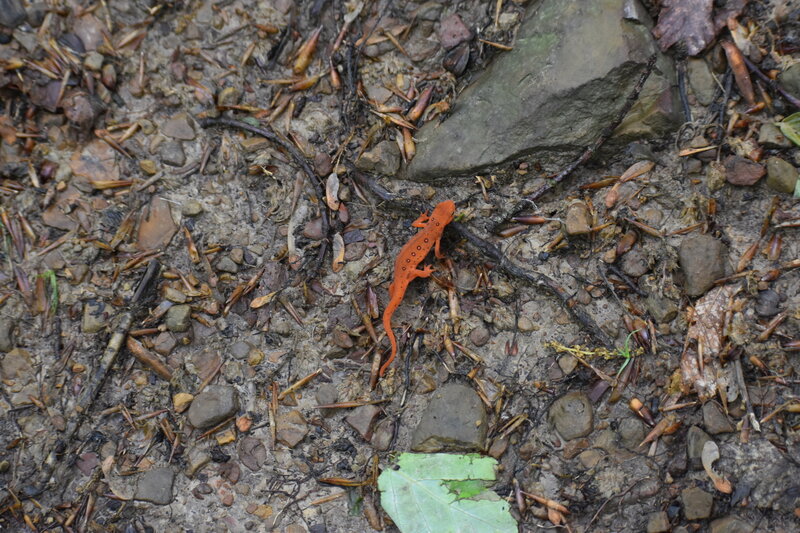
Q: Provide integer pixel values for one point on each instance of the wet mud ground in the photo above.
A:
(238, 308)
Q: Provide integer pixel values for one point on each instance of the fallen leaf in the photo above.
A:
(444, 492)
(332, 191)
(740, 72)
(338, 252)
(261, 301)
(709, 316)
(709, 455)
(706, 330)
(687, 22)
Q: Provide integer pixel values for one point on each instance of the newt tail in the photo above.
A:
(409, 258)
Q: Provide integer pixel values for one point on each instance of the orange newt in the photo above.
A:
(409, 258)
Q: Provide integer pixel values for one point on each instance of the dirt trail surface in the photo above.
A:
(202, 203)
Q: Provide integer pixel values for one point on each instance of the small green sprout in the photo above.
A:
(626, 352)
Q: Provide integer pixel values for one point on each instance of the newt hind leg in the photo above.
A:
(424, 272)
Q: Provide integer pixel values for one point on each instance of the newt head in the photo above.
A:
(444, 210)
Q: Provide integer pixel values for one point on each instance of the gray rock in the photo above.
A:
(768, 303)
(454, 420)
(572, 415)
(731, 524)
(658, 522)
(12, 13)
(19, 377)
(770, 136)
(7, 327)
(178, 318)
(479, 336)
(701, 80)
(215, 404)
(677, 465)
(632, 433)
(155, 486)
(36, 13)
(635, 263)
(179, 127)
(697, 503)
(362, 419)
(578, 219)
(383, 434)
(95, 316)
(93, 61)
(453, 31)
(696, 438)
(172, 154)
(240, 350)
(196, 459)
(525, 106)
(191, 208)
(790, 79)
(590, 458)
(702, 260)
(715, 420)
(771, 474)
(326, 394)
(292, 428)
(226, 264)
(383, 159)
(164, 343)
(175, 296)
(742, 171)
(662, 309)
(781, 175)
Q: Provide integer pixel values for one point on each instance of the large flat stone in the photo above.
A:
(454, 421)
(571, 69)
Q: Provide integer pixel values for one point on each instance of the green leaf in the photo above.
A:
(797, 188)
(790, 127)
(466, 488)
(444, 493)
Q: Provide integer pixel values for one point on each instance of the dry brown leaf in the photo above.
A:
(709, 455)
(636, 170)
(740, 72)
(709, 316)
(555, 517)
(686, 21)
(261, 301)
(338, 252)
(332, 191)
(707, 330)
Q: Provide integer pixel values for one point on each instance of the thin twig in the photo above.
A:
(772, 83)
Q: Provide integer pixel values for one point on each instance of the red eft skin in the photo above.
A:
(409, 258)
